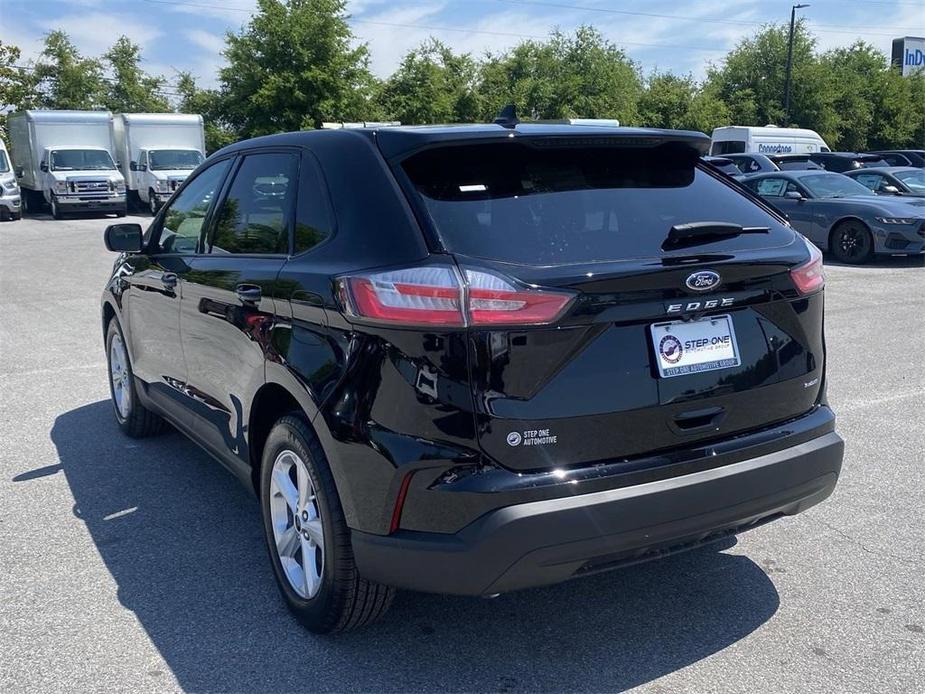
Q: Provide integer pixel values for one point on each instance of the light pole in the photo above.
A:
(793, 17)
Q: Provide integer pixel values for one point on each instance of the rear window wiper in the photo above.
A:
(693, 233)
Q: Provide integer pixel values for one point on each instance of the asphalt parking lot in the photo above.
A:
(139, 565)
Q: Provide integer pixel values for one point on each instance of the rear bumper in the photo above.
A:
(549, 541)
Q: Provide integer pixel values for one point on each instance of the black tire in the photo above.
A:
(121, 213)
(5, 215)
(851, 242)
(345, 600)
(153, 205)
(56, 212)
(139, 421)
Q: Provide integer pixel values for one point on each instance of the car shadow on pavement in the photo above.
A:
(182, 539)
(882, 261)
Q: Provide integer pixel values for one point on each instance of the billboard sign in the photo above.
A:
(909, 54)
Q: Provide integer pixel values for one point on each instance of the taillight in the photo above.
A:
(810, 276)
(439, 296)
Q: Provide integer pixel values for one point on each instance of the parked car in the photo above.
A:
(474, 359)
(752, 163)
(65, 159)
(840, 215)
(892, 180)
(10, 202)
(724, 165)
(903, 157)
(794, 162)
(769, 139)
(157, 151)
(840, 162)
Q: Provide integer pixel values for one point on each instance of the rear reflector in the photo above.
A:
(810, 276)
(439, 296)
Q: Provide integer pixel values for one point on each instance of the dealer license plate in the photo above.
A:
(688, 347)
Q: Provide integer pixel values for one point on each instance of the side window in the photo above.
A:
(255, 215)
(771, 187)
(728, 147)
(744, 164)
(314, 222)
(184, 216)
(872, 181)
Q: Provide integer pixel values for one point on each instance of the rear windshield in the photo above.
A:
(517, 203)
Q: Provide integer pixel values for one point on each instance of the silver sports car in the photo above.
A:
(840, 215)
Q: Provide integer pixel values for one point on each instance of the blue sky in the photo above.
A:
(658, 34)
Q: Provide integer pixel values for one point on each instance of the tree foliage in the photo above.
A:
(567, 76)
(296, 64)
(65, 79)
(131, 90)
(207, 103)
(432, 85)
(292, 67)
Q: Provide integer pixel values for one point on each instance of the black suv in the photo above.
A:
(839, 162)
(473, 359)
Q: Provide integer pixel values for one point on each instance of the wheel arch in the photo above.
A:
(280, 394)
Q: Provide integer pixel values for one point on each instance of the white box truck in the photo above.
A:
(157, 152)
(738, 139)
(10, 203)
(65, 158)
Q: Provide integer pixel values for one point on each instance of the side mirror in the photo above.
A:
(133, 165)
(123, 238)
(142, 167)
(793, 195)
(44, 166)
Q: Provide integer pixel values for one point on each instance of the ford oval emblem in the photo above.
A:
(703, 281)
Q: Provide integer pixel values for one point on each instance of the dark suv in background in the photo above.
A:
(839, 162)
(473, 359)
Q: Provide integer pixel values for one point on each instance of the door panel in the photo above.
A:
(228, 298)
(156, 287)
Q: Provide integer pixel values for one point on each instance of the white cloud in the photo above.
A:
(208, 42)
(94, 32)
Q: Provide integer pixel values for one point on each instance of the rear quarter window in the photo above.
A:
(521, 203)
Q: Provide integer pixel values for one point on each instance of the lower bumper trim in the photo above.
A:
(544, 542)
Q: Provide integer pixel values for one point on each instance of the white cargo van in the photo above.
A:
(65, 158)
(738, 139)
(10, 203)
(157, 152)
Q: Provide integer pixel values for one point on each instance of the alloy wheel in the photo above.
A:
(119, 376)
(298, 529)
(853, 243)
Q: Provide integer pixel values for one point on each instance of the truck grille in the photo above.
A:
(90, 187)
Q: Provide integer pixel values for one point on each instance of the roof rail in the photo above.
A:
(363, 124)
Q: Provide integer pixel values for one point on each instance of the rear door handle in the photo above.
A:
(169, 279)
(249, 293)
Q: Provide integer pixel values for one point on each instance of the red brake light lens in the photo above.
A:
(438, 296)
(810, 276)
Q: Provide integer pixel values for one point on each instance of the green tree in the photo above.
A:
(750, 80)
(131, 89)
(577, 75)
(707, 111)
(207, 103)
(432, 85)
(17, 82)
(65, 79)
(666, 101)
(293, 66)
